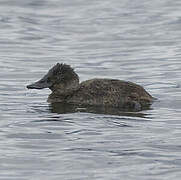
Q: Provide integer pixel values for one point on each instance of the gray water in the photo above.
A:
(138, 41)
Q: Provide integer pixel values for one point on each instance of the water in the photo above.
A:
(138, 41)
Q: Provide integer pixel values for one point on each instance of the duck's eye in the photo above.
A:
(48, 79)
(42, 81)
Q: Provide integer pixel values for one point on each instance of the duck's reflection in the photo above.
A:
(63, 108)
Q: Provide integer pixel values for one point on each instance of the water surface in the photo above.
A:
(137, 41)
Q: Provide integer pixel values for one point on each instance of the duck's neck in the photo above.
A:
(61, 91)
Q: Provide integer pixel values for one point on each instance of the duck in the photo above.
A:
(64, 83)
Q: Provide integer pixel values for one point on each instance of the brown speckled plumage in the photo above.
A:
(95, 92)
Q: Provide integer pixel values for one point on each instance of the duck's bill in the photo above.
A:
(39, 85)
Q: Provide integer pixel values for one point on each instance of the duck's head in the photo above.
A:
(61, 79)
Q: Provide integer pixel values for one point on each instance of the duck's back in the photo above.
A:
(110, 92)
